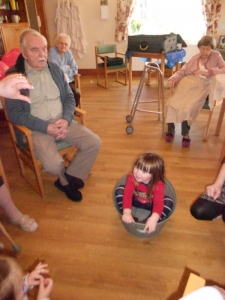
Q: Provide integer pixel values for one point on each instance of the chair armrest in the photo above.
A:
(100, 56)
(120, 53)
(81, 114)
(103, 58)
(76, 79)
(80, 111)
(22, 129)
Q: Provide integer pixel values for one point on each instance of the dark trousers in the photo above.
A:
(185, 128)
(203, 209)
(1, 181)
(76, 93)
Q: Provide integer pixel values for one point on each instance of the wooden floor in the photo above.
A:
(89, 253)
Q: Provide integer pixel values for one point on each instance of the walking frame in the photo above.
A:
(149, 67)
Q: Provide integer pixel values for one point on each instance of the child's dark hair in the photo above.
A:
(11, 277)
(152, 164)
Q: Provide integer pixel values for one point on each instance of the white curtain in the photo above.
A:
(68, 20)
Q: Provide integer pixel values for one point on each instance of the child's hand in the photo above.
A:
(45, 288)
(127, 218)
(35, 276)
(151, 223)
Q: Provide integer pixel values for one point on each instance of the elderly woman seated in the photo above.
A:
(192, 89)
(63, 57)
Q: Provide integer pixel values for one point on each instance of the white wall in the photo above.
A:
(97, 30)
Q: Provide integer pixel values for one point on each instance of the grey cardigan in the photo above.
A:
(19, 111)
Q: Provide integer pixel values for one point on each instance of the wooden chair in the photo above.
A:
(220, 119)
(2, 173)
(219, 122)
(101, 51)
(26, 156)
(222, 153)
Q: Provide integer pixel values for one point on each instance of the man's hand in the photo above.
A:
(63, 125)
(59, 129)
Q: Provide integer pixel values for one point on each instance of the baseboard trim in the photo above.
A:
(90, 72)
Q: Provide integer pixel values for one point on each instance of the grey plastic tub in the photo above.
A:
(137, 229)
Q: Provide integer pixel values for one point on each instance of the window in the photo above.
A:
(183, 17)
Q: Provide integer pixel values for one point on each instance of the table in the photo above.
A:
(173, 58)
(216, 92)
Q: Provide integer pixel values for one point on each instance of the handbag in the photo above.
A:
(113, 61)
(154, 43)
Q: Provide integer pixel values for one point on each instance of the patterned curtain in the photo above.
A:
(125, 9)
(211, 11)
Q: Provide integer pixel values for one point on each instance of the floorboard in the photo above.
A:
(89, 253)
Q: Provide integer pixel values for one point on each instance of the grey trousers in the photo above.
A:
(87, 142)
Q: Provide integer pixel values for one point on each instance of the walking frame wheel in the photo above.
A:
(129, 129)
(129, 118)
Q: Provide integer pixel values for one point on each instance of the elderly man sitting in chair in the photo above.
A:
(50, 116)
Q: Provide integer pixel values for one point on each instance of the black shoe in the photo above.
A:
(71, 192)
(74, 181)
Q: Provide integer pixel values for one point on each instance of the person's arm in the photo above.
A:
(158, 198)
(158, 204)
(70, 61)
(127, 199)
(184, 71)
(220, 64)
(19, 113)
(214, 190)
(66, 94)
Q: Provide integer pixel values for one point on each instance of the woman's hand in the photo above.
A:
(213, 190)
(45, 288)
(34, 277)
(11, 85)
(170, 83)
(127, 216)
